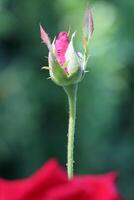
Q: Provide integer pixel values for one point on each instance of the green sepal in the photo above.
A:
(58, 75)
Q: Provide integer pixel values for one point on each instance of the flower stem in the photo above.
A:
(71, 93)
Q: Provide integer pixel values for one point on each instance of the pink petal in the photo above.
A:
(61, 45)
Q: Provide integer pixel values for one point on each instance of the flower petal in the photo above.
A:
(71, 58)
(61, 46)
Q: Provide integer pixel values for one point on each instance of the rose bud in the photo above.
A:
(66, 65)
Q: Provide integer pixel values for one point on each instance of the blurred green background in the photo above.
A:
(34, 111)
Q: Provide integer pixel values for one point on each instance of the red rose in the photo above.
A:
(50, 183)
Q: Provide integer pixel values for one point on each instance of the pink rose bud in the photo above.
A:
(66, 65)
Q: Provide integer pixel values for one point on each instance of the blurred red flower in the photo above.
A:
(50, 183)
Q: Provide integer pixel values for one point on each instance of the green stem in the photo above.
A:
(71, 93)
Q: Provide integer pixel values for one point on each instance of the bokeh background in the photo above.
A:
(34, 111)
